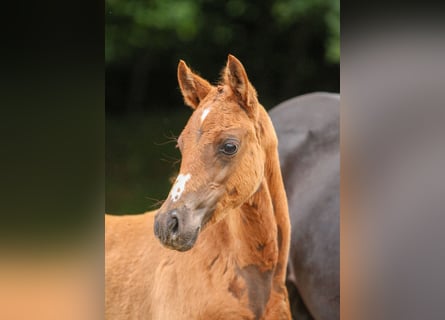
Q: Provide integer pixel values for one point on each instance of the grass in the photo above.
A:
(141, 159)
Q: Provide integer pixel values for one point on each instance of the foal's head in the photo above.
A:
(222, 155)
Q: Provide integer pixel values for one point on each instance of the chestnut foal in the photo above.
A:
(226, 218)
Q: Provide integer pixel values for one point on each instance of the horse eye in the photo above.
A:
(229, 148)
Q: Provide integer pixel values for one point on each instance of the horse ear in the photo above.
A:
(236, 77)
(193, 87)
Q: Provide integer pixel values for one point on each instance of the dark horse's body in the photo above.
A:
(308, 132)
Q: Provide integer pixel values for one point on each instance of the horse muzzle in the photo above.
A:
(174, 231)
(177, 225)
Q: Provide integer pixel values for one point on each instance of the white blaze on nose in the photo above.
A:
(179, 186)
(204, 114)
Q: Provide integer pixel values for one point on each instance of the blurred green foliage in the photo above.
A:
(136, 24)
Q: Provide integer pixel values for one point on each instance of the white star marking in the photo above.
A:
(179, 186)
(204, 114)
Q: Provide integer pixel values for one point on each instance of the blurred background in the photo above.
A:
(288, 47)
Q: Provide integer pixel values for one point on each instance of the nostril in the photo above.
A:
(156, 227)
(173, 224)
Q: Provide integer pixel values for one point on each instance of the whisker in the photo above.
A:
(171, 138)
(163, 143)
(170, 159)
(157, 202)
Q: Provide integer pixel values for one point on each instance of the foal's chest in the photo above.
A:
(217, 289)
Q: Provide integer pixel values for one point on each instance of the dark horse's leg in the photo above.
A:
(298, 308)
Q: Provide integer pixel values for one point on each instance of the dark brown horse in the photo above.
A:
(220, 244)
(308, 133)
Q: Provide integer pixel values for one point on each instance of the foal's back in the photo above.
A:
(130, 259)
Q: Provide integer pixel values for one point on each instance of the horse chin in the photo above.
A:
(183, 248)
(182, 244)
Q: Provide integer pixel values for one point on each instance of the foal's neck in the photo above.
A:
(254, 231)
(261, 229)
